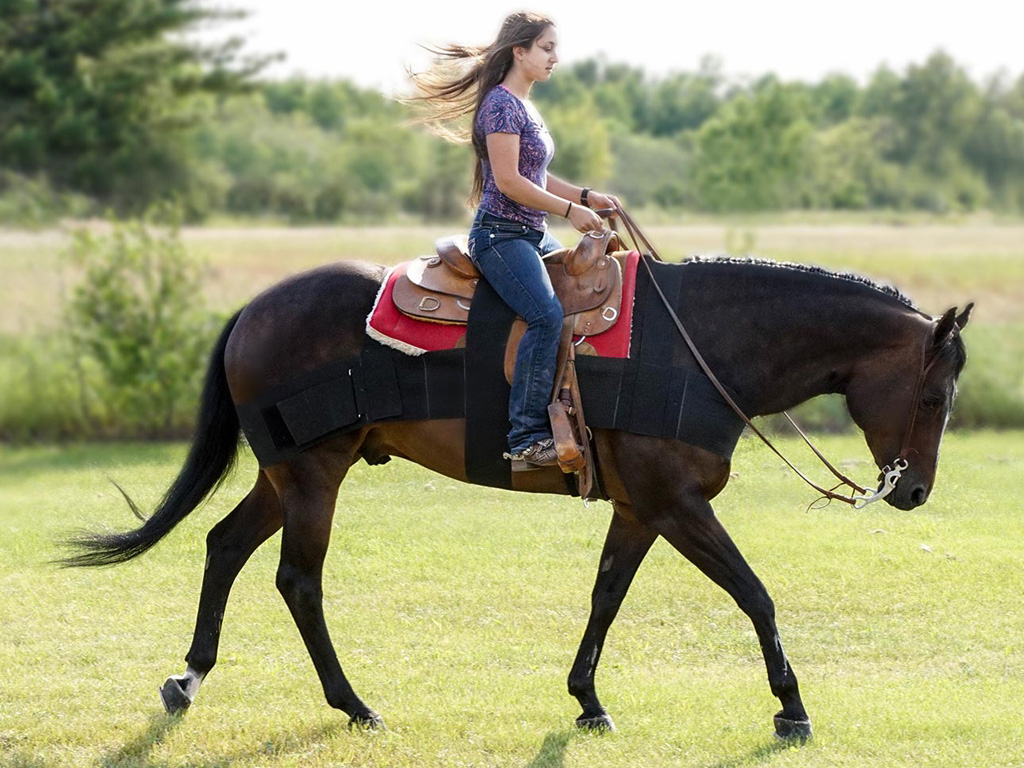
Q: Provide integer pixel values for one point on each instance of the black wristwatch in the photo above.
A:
(583, 196)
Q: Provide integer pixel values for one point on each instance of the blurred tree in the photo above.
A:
(1014, 98)
(835, 99)
(440, 189)
(936, 110)
(568, 89)
(328, 104)
(96, 94)
(848, 169)
(587, 72)
(649, 169)
(632, 84)
(95, 97)
(881, 94)
(614, 107)
(753, 154)
(995, 146)
(682, 102)
(582, 149)
(285, 96)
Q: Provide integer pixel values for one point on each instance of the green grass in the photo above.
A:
(457, 610)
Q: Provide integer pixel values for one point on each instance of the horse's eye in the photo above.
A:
(932, 401)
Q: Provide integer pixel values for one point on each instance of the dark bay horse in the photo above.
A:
(776, 335)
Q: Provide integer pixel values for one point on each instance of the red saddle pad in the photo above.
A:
(414, 337)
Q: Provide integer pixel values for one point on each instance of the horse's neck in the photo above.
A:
(782, 354)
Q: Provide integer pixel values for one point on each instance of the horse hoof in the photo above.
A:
(367, 721)
(175, 700)
(599, 724)
(792, 730)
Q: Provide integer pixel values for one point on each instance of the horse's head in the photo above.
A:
(901, 397)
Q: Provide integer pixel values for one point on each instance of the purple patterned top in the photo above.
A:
(502, 112)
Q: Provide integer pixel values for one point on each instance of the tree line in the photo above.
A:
(104, 105)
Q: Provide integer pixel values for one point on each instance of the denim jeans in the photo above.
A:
(507, 254)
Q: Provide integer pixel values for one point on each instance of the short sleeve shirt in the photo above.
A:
(501, 111)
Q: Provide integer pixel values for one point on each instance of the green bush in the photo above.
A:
(139, 329)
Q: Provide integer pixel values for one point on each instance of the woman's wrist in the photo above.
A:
(568, 210)
(583, 197)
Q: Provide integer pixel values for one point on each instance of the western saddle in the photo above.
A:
(587, 279)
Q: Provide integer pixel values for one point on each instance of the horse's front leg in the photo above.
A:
(627, 543)
(695, 531)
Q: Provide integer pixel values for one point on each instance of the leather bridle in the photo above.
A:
(891, 473)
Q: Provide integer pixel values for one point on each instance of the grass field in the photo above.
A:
(456, 611)
(937, 265)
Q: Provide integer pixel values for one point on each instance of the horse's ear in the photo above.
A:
(963, 317)
(945, 325)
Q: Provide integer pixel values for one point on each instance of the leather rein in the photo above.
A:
(891, 473)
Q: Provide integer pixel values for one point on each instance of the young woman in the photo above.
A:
(514, 194)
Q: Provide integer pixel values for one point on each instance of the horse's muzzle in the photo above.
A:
(910, 492)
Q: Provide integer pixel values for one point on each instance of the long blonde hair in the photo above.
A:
(460, 76)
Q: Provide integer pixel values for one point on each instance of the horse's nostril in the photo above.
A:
(917, 495)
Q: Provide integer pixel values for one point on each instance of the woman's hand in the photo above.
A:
(584, 219)
(600, 201)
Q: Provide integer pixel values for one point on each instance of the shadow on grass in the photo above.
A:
(552, 751)
(134, 752)
(137, 752)
(292, 744)
(757, 756)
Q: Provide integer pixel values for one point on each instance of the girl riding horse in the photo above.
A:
(514, 193)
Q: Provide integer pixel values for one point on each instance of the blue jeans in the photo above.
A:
(507, 254)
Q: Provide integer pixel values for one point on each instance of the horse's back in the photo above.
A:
(304, 321)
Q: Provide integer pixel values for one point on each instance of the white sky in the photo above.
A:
(369, 42)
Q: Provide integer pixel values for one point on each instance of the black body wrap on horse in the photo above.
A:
(658, 391)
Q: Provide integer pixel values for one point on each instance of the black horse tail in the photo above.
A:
(211, 457)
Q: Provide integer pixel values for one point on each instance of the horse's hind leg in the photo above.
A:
(694, 530)
(228, 546)
(625, 546)
(308, 489)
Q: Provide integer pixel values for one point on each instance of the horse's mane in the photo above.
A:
(810, 269)
(955, 351)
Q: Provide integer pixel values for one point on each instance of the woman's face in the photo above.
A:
(539, 61)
